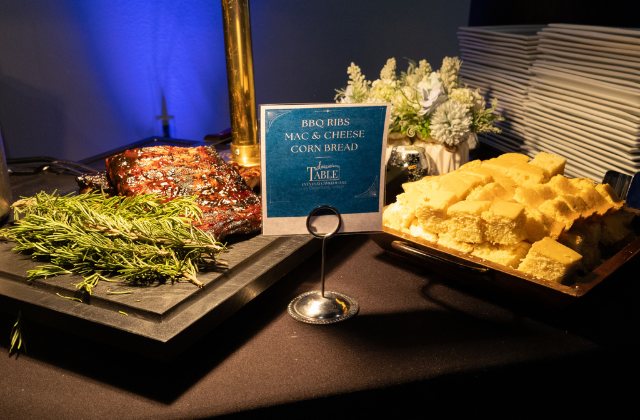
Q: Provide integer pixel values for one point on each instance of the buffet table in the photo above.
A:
(419, 343)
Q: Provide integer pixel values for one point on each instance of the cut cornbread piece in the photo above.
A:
(477, 170)
(418, 231)
(536, 225)
(513, 157)
(490, 192)
(497, 167)
(397, 217)
(551, 164)
(472, 164)
(577, 193)
(458, 183)
(504, 223)
(563, 185)
(508, 255)
(524, 173)
(586, 189)
(575, 203)
(550, 260)
(558, 210)
(500, 166)
(616, 226)
(610, 195)
(432, 213)
(529, 196)
(464, 222)
(447, 240)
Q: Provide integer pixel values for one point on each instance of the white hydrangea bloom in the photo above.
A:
(451, 123)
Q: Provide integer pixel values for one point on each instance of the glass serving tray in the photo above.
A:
(487, 275)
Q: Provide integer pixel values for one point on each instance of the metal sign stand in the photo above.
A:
(322, 307)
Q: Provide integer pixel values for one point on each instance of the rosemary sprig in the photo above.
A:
(17, 340)
(138, 240)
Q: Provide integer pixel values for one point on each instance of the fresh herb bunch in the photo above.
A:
(139, 240)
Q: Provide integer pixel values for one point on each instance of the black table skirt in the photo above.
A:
(420, 344)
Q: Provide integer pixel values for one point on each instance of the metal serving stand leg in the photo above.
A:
(322, 307)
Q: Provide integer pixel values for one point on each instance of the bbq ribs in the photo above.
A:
(229, 205)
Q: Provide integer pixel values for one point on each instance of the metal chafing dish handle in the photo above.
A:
(406, 248)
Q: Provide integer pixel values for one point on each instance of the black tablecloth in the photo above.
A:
(419, 344)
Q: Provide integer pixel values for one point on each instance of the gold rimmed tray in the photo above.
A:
(472, 270)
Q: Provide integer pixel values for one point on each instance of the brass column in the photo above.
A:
(245, 148)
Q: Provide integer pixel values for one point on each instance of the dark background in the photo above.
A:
(78, 78)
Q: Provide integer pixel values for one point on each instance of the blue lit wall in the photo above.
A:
(80, 77)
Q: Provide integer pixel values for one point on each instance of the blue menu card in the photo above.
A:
(323, 154)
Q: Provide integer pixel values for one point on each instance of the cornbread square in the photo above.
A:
(576, 203)
(508, 255)
(432, 213)
(559, 211)
(529, 196)
(477, 170)
(609, 194)
(535, 225)
(550, 260)
(465, 223)
(563, 185)
(596, 203)
(396, 216)
(513, 157)
(551, 164)
(524, 173)
(504, 223)
(458, 183)
(497, 167)
(418, 231)
(490, 192)
(447, 241)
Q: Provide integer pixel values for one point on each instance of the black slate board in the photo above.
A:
(156, 320)
(160, 321)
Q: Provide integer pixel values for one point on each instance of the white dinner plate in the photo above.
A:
(615, 93)
(577, 164)
(595, 60)
(631, 37)
(584, 145)
(575, 154)
(626, 149)
(501, 62)
(587, 114)
(617, 81)
(629, 140)
(590, 50)
(604, 110)
(542, 84)
(631, 49)
(497, 46)
(592, 28)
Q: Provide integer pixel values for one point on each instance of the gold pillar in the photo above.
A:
(245, 148)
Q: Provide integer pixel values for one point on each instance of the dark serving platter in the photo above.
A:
(159, 321)
(479, 273)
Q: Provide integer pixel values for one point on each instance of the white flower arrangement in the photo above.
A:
(426, 105)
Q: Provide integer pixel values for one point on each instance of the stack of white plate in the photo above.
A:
(497, 61)
(584, 98)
